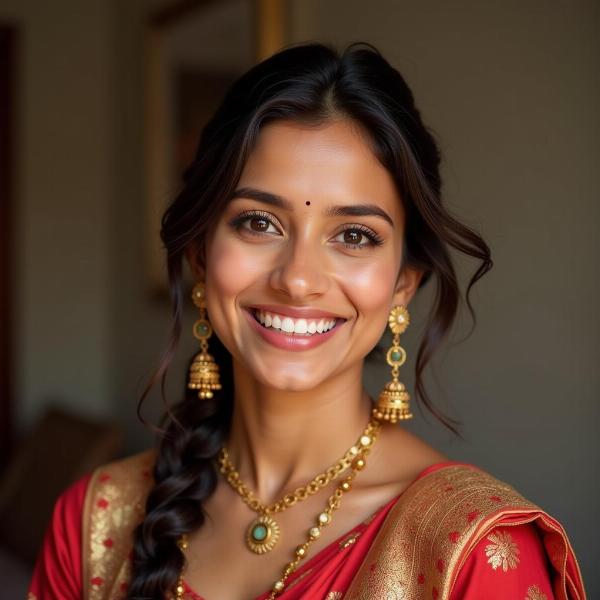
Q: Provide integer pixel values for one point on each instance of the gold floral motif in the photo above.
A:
(534, 593)
(31, 596)
(398, 319)
(502, 552)
(334, 596)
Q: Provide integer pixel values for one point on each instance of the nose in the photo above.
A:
(300, 270)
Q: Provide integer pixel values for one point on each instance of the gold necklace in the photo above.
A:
(263, 533)
(358, 451)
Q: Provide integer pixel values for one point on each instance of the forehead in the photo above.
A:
(325, 164)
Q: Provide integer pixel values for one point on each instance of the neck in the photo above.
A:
(280, 440)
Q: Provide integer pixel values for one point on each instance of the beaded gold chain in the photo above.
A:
(354, 457)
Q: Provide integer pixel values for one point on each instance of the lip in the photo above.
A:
(300, 312)
(287, 341)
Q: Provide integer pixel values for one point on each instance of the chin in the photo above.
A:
(286, 378)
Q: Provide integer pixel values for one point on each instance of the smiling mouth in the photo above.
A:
(295, 327)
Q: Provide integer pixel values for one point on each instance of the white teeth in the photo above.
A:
(298, 326)
(287, 325)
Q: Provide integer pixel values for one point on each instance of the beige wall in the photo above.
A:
(62, 222)
(512, 91)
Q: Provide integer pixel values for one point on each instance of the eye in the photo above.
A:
(351, 236)
(258, 222)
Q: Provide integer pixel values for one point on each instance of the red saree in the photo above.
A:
(455, 533)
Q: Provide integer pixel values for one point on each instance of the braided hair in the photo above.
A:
(310, 83)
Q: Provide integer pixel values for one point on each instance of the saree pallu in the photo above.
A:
(456, 533)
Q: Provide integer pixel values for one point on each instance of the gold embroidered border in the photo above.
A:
(85, 534)
(114, 505)
(427, 535)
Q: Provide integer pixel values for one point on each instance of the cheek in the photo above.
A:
(230, 270)
(231, 267)
(370, 287)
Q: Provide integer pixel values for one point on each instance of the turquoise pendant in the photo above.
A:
(262, 534)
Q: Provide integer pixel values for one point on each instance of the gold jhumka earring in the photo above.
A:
(393, 404)
(204, 371)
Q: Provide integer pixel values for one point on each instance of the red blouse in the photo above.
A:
(510, 562)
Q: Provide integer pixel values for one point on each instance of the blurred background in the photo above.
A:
(100, 106)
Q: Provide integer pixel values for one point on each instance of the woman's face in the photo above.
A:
(280, 243)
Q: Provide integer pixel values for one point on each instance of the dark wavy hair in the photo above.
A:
(310, 83)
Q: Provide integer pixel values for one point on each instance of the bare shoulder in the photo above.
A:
(399, 456)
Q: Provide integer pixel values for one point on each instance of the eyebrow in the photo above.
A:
(352, 210)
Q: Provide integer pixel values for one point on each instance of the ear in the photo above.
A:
(407, 285)
(196, 261)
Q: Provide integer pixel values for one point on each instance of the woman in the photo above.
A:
(310, 217)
